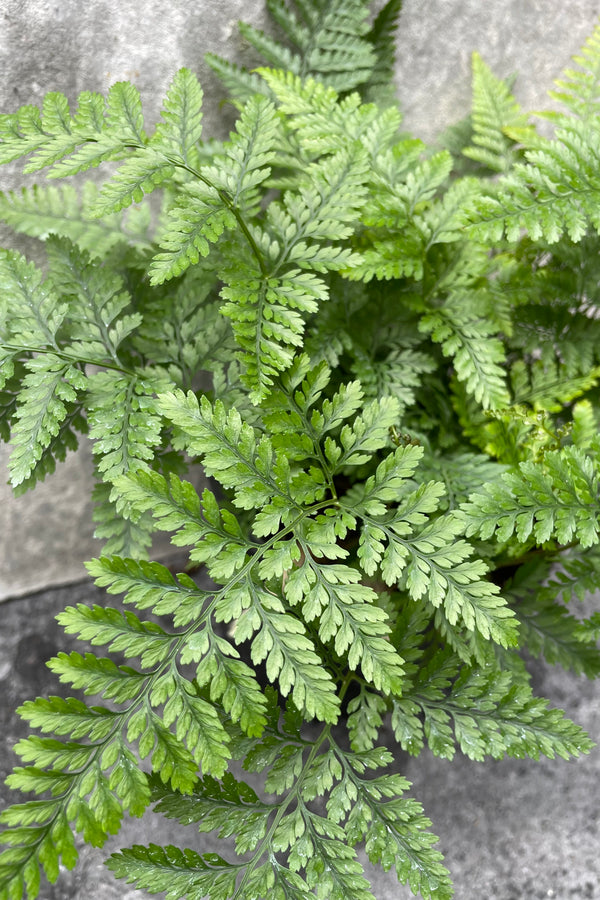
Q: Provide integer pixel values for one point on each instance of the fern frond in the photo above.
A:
(321, 122)
(122, 536)
(224, 193)
(32, 311)
(554, 193)
(477, 713)
(46, 403)
(394, 829)
(475, 350)
(382, 36)
(240, 84)
(548, 630)
(97, 300)
(100, 129)
(494, 111)
(50, 209)
(181, 873)
(430, 562)
(579, 89)
(557, 498)
(180, 128)
(172, 144)
(229, 806)
(330, 41)
(124, 441)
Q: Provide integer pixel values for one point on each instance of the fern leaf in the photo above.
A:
(211, 207)
(347, 614)
(241, 84)
(280, 641)
(216, 535)
(494, 111)
(45, 210)
(392, 826)
(191, 229)
(231, 450)
(367, 434)
(579, 88)
(96, 301)
(181, 127)
(145, 170)
(228, 806)
(126, 440)
(73, 144)
(476, 353)
(119, 631)
(99, 676)
(548, 630)
(478, 714)
(122, 536)
(430, 562)
(181, 873)
(149, 584)
(382, 37)
(331, 41)
(124, 113)
(555, 192)
(34, 312)
(557, 499)
(49, 388)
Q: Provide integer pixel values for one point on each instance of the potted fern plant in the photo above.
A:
(384, 359)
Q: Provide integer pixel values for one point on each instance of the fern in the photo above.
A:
(495, 112)
(333, 42)
(383, 373)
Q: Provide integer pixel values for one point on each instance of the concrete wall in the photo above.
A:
(70, 46)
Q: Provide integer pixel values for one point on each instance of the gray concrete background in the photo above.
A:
(509, 829)
(70, 46)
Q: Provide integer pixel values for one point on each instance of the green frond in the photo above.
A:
(180, 129)
(579, 89)
(477, 713)
(121, 536)
(181, 873)
(476, 352)
(576, 576)
(97, 301)
(382, 36)
(48, 209)
(495, 111)
(222, 194)
(324, 123)
(547, 629)
(32, 312)
(554, 193)
(228, 806)
(330, 41)
(555, 499)
(124, 441)
(100, 130)
(241, 84)
(47, 403)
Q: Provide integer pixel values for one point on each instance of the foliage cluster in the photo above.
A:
(384, 359)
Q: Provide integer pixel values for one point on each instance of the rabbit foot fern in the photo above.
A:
(385, 358)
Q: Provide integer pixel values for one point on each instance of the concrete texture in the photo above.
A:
(70, 46)
(510, 830)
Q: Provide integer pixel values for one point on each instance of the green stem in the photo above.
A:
(69, 357)
(228, 201)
